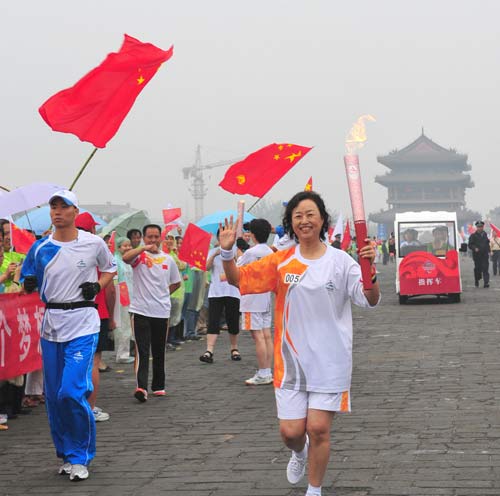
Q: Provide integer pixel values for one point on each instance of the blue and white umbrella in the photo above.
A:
(210, 223)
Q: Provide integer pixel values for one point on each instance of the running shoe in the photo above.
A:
(161, 392)
(65, 469)
(78, 473)
(126, 360)
(141, 395)
(296, 467)
(99, 415)
(258, 380)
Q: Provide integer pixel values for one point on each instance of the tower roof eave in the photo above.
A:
(423, 150)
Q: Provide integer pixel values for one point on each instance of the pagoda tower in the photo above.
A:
(424, 176)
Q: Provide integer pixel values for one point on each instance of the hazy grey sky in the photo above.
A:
(246, 74)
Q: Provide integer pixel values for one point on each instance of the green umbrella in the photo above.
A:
(130, 220)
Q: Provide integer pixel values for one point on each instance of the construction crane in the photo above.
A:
(195, 173)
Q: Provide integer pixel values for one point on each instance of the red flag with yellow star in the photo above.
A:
(261, 170)
(195, 246)
(309, 185)
(94, 108)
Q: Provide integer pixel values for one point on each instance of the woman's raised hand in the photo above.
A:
(227, 234)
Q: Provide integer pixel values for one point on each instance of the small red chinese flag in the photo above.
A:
(495, 229)
(94, 108)
(195, 246)
(346, 239)
(261, 170)
(124, 294)
(170, 214)
(21, 239)
(309, 185)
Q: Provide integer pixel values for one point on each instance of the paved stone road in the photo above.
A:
(425, 421)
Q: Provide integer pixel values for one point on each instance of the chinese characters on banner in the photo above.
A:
(20, 326)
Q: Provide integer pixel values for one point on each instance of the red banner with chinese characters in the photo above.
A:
(20, 326)
(423, 273)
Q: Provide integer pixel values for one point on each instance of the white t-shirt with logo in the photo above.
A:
(313, 319)
(218, 285)
(255, 302)
(153, 274)
(60, 268)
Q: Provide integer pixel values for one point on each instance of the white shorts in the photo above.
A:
(293, 405)
(255, 321)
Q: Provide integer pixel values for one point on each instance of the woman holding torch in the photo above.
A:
(314, 285)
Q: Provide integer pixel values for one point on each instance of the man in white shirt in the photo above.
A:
(256, 308)
(63, 267)
(156, 276)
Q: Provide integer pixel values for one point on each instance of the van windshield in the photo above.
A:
(434, 237)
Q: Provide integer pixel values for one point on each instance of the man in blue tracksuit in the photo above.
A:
(63, 266)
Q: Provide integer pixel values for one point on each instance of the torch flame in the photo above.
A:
(357, 135)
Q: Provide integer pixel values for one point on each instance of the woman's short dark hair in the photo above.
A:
(292, 204)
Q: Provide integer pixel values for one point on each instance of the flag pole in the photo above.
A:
(253, 204)
(82, 169)
(4, 188)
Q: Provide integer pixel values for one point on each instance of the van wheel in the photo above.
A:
(403, 299)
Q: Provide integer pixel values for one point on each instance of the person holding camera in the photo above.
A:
(63, 266)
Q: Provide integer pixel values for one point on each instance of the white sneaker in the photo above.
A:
(99, 415)
(78, 473)
(296, 467)
(258, 380)
(65, 469)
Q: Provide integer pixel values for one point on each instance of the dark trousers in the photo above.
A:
(495, 260)
(150, 334)
(481, 266)
(231, 307)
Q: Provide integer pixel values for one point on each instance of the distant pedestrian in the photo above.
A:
(495, 253)
(337, 241)
(256, 308)
(156, 277)
(222, 297)
(479, 244)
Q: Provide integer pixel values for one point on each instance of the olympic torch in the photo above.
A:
(355, 140)
(239, 220)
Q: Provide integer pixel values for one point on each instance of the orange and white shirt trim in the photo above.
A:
(313, 319)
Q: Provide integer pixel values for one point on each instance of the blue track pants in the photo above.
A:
(67, 370)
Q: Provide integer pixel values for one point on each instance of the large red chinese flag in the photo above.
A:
(94, 108)
(170, 214)
(195, 246)
(257, 174)
(21, 239)
(346, 239)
